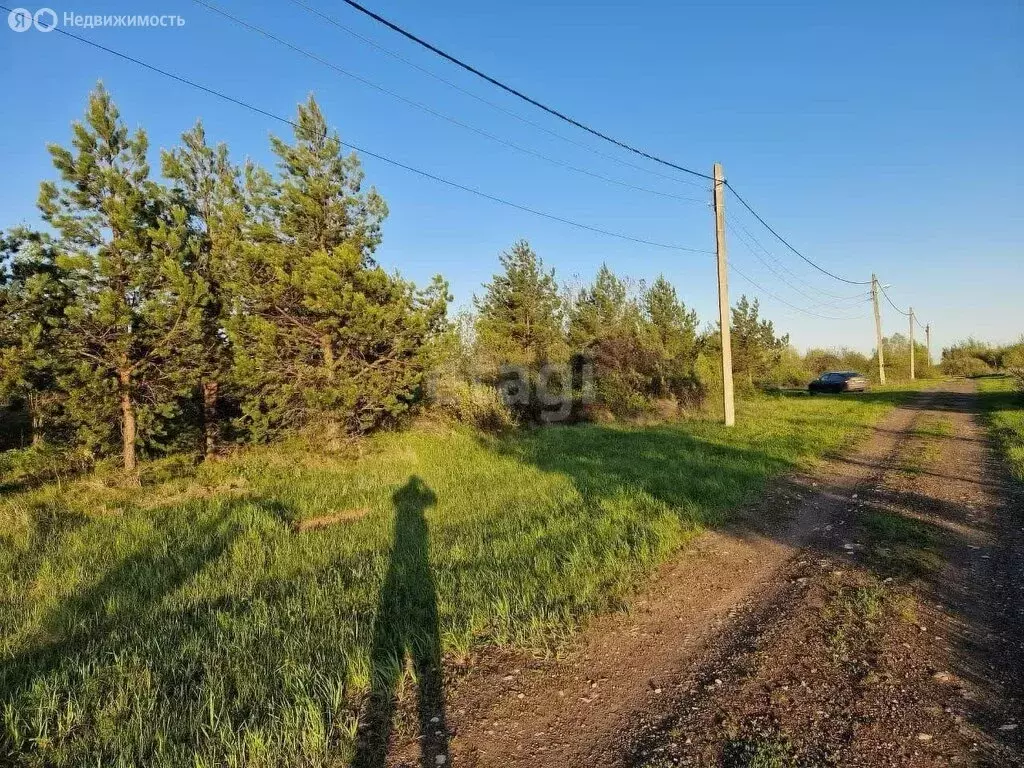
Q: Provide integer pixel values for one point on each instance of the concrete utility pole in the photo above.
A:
(729, 404)
(912, 343)
(928, 342)
(878, 330)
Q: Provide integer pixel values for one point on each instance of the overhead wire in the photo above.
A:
(583, 126)
(430, 110)
(493, 105)
(815, 302)
(758, 286)
(480, 193)
(782, 265)
(519, 94)
(891, 302)
(786, 243)
(383, 158)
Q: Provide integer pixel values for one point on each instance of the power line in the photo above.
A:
(782, 240)
(519, 94)
(815, 301)
(764, 290)
(789, 271)
(493, 105)
(429, 110)
(382, 158)
(891, 302)
(572, 121)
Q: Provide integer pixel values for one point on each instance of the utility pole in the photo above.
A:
(928, 342)
(729, 405)
(911, 343)
(878, 329)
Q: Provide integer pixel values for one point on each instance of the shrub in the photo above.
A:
(41, 463)
(472, 403)
(965, 366)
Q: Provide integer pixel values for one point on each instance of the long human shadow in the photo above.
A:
(406, 622)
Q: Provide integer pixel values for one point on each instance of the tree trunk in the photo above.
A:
(210, 392)
(128, 428)
(35, 414)
(327, 350)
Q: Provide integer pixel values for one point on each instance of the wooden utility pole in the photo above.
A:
(928, 342)
(878, 330)
(912, 343)
(729, 405)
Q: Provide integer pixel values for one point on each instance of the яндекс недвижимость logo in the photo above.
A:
(22, 19)
(45, 20)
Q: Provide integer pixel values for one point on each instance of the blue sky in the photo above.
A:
(875, 137)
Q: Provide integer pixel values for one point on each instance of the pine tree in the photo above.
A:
(208, 187)
(598, 310)
(33, 297)
(320, 330)
(605, 330)
(673, 341)
(520, 316)
(134, 311)
(756, 350)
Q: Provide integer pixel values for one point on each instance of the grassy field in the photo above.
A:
(1004, 406)
(187, 623)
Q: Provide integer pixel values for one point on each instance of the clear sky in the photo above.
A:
(878, 136)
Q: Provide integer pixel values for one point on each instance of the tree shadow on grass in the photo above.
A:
(406, 622)
(106, 620)
(698, 478)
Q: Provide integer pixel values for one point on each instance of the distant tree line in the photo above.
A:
(977, 358)
(221, 303)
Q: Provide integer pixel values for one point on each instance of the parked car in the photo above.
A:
(838, 381)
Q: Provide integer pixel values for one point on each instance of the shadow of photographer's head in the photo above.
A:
(414, 496)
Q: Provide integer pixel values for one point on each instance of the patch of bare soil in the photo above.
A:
(868, 614)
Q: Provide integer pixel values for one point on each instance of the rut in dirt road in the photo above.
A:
(673, 679)
(902, 643)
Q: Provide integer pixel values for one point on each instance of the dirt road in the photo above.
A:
(869, 614)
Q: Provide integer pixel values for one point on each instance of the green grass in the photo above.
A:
(760, 752)
(185, 623)
(925, 444)
(1003, 402)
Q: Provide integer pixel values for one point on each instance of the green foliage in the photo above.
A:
(155, 313)
(207, 185)
(33, 297)
(1003, 401)
(989, 354)
(132, 317)
(756, 351)
(965, 366)
(42, 462)
(671, 336)
(817, 361)
(897, 358)
(642, 345)
(518, 331)
(976, 358)
(321, 332)
(605, 330)
(473, 403)
(520, 316)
